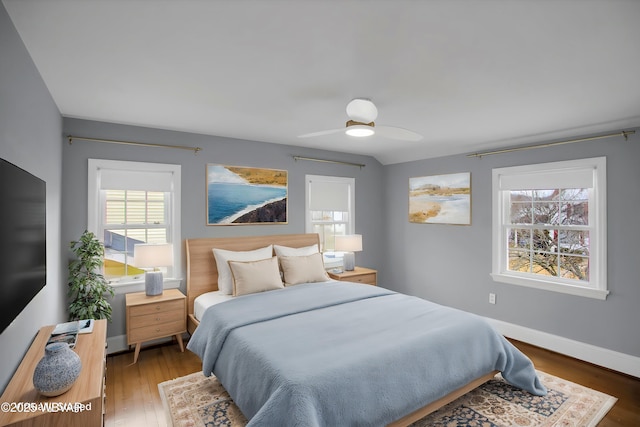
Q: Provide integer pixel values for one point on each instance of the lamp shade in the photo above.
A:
(153, 255)
(349, 243)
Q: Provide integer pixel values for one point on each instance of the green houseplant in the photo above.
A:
(87, 286)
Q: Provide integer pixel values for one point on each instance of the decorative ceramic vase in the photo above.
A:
(57, 370)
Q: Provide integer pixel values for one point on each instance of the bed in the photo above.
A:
(335, 353)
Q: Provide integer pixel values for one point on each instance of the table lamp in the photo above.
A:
(349, 244)
(148, 255)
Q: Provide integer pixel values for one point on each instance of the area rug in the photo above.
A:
(194, 400)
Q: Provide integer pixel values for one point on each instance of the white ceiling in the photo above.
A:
(469, 75)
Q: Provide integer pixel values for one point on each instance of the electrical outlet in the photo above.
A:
(492, 298)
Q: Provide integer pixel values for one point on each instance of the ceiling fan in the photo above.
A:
(362, 113)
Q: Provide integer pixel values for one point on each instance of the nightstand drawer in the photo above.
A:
(157, 318)
(364, 278)
(157, 307)
(160, 330)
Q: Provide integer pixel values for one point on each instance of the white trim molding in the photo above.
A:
(585, 174)
(138, 286)
(600, 356)
(582, 291)
(118, 343)
(146, 176)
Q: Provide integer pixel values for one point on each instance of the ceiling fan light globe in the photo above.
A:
(359, 131)
(362, 110)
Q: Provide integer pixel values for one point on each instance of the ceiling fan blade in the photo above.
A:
(321, 133)
(393, 132)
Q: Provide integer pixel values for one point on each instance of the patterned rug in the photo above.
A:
(194, 400)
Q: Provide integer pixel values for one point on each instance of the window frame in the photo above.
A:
(335, 258)
(596, 286)
(95, 202)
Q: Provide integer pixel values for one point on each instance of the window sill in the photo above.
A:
(582, 291)
(138, 285)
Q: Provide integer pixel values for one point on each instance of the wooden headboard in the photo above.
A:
(202, 272)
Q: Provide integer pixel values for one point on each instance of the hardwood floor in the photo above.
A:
(132, 389)
(133, 398)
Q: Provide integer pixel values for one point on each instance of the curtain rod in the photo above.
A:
(624, 133)
(360, 165)
(143, 144)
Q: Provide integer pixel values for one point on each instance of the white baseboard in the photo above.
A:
(610, 359)
(119, 343)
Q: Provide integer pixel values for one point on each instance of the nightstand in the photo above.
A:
(358, 275)
(153, 317)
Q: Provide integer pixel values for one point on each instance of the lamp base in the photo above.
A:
(153, 284)
(349, 260)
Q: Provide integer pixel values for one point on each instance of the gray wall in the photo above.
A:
(368, 222)
(447, 264)
(451, 264)
(30, 129)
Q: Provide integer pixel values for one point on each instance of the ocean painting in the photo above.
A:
(440, 199)
(243, 195)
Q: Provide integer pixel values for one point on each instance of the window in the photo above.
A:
(130, 203)
(549, 226)
(330, 208)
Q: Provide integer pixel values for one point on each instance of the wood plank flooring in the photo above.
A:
(132, 389)
(133, 398)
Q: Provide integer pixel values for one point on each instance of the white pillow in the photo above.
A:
(223, 256)
(303, 269)
(255, 276)
(287, 251)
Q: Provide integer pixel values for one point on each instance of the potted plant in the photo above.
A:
(87, 286)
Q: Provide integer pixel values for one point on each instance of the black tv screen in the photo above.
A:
(23, 254)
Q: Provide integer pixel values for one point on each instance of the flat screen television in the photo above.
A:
(23, 241)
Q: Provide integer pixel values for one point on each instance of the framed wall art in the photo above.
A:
(440, 199)
(243, 195)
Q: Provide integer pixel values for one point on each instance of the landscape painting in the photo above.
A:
(244, 195)
(440, 199)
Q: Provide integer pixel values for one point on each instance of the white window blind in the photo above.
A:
(329, 208)
(547, 178)
(328, 195)
(116, 179)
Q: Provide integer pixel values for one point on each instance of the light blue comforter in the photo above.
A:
(341, 354)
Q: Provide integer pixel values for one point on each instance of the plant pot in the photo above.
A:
(57, 370)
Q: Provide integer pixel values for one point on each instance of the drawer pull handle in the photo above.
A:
(157, 329)
(157, 307)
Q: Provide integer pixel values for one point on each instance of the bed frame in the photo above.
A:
(202, 276)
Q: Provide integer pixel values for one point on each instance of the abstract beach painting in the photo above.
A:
(440, 199)
(244, 195)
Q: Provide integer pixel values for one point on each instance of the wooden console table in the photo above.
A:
(87, 393)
